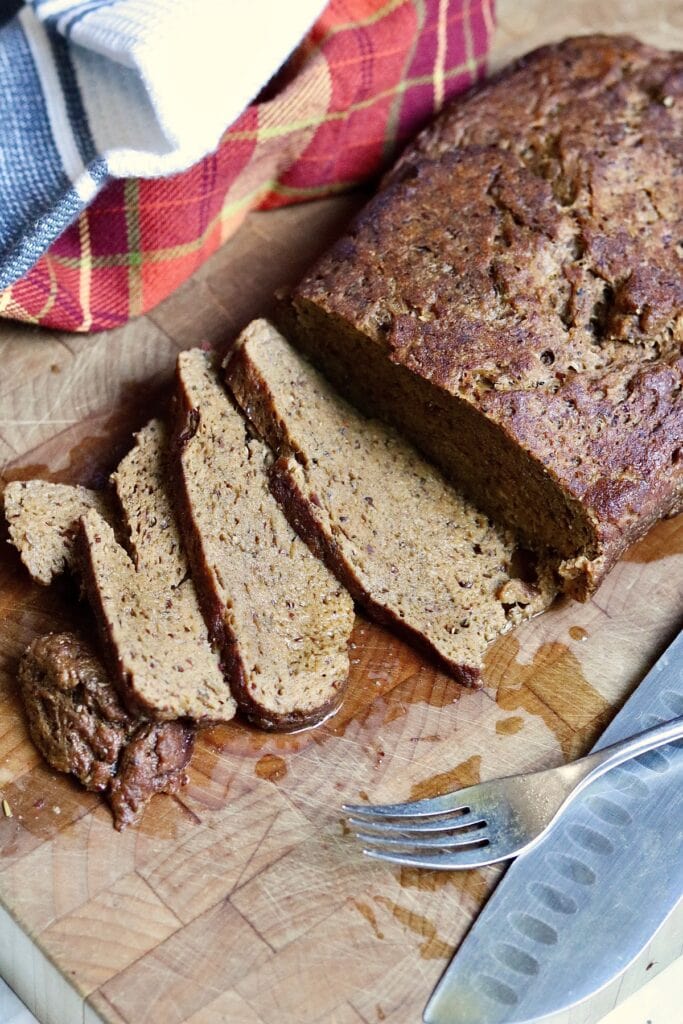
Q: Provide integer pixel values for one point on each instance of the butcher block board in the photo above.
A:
(243, 899)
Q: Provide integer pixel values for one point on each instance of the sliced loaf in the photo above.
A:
(408, 546)
(151, 626)
(281, 619)
(512, 299)
(43, 521)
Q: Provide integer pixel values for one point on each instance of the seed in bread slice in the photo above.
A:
(409, 547)
(150, 623)
(43, 521)
(281, 619)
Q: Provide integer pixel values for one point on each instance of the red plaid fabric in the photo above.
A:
(365, 79)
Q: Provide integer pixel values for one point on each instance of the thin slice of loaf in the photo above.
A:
(409, 547)
(281, 619)
(43, 521)
(150, 623)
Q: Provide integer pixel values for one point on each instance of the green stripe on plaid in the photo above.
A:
(134, 257)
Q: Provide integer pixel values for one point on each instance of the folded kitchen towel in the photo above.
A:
(136, 134)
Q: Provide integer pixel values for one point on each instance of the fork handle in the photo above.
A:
(601, 761)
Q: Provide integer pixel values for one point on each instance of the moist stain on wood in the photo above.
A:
(551, 686)
(667, 541)
(271, 767)
(368, 913)
(467, 773)
(434, 947)
(509, 726)
(473, 885)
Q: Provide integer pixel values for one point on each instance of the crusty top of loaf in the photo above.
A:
(526, 255)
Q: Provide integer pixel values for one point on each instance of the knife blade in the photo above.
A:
(570, 915)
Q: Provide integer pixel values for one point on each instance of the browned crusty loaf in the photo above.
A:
(150, 623)
(513, 298)
(43, 519)
(281, 619)
(78, 723)
(409, 547)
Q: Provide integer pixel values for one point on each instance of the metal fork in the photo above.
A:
(494, 820)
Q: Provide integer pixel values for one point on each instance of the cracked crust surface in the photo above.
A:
(513, 297)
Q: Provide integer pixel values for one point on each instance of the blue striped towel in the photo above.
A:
(102, 89)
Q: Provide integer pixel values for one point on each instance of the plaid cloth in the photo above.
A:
(365, 78)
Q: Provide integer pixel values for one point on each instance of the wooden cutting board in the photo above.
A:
(243, 899)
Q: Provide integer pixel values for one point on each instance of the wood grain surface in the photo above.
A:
(242, 899)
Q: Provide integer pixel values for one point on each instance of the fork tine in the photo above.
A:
(468, 857)
(385, 826)
(455, 801)
(447, 842)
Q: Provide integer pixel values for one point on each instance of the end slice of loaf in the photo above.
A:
(411, 549)
(151, 626)
(281, 619)
(43, 522)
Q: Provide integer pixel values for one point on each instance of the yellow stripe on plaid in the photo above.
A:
(262, 134)
(440, 58)
(85, 277)
(227, 211)
(9, 306)
(372, 19)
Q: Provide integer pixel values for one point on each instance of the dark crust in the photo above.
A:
(253, 397)
(573, 158)
(185, 421)
(154, 761)
(73, 711)
(78, 724)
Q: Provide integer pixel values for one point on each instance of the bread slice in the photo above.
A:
(281, 619)
(43, 521)
(512, 299)
(409, 547)
(150, 623)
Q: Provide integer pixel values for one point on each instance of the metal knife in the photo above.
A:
(574, 912)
